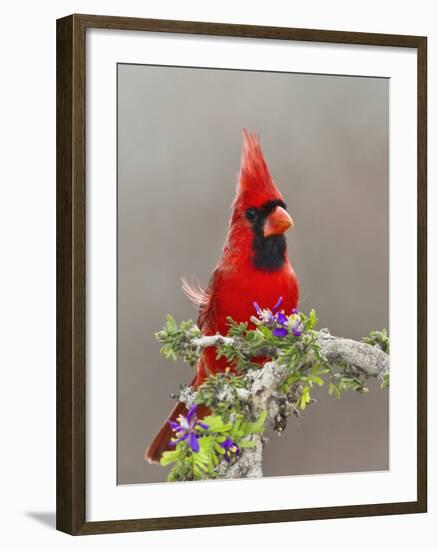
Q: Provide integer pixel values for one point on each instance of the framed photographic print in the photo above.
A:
(241, 255)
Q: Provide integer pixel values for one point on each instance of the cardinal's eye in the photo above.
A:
(251, 214)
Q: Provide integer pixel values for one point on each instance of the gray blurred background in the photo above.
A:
(326, 141)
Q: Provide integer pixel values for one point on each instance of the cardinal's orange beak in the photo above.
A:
(277, 223)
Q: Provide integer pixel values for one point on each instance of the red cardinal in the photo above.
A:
(254, 267)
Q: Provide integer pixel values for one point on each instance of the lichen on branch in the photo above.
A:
(247, 398)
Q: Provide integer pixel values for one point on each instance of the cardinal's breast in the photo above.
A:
(236, 293)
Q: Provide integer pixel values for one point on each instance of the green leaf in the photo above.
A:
(216, 424)
(312, 319)
(171, 323)
(317, 380)
(220, 450)
(305, 397)
(259, 423)
(247, 444)
(264, 332)
(168, 457)
(385, 381)
(201, 465)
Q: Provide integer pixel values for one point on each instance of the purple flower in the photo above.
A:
(281, 318)
(186, 429)
(230, 448)
(277, 321)
(279, 332)
(281, 321)
(266, 315)
(296, 328)
(258, 309)
(278, 304)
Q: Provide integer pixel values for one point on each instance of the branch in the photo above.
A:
(232, 443)
(209, 341)
(370, 360)
(263, 383)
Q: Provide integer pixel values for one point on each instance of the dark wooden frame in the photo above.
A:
(70, 174)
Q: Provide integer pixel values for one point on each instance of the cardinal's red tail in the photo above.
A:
(160, 443)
